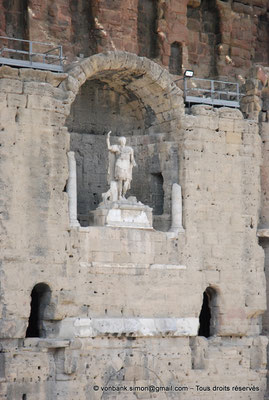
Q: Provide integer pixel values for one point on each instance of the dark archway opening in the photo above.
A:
(203, 25)
(83, 38)
(146, 28)
(262, 40)
(15, 25)
(205, 317)
(16, 16)
(175, 60)
(208, 314)
(41, 295)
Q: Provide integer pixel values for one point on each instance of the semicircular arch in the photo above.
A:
(124, 71)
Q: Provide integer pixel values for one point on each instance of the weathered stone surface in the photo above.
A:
(128, 214)
(85, 29)
(136, 327)
(109, 276)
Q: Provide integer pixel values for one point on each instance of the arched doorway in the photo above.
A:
(40, 299)
(208, 318)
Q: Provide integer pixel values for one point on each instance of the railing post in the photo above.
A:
(212, 90)
(61, 56)
(30, 52)
(185, 86)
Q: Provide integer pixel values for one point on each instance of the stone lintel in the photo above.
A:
(96, 264)
(135, 327)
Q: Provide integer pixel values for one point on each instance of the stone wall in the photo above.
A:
(264, 220)
(227, 36)
(135, 365)
(125, 303)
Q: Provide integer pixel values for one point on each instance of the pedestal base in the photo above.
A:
(123, 213)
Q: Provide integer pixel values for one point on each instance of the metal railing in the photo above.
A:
(207, 91)
(30, 54)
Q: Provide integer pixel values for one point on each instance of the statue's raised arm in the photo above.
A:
(108, 140)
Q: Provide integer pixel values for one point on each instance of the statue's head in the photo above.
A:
(122, 141)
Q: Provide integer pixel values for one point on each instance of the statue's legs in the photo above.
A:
(119, 183)
(126, 186)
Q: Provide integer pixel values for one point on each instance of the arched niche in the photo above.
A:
(132, 97)
(40, 299)
(208, 317)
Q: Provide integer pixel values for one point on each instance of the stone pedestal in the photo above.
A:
(123, 213)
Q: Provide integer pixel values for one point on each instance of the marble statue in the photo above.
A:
(115, 210)
(121, 163)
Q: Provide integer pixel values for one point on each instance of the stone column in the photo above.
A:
(176, 209)
(72, 189)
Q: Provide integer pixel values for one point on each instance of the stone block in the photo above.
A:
(203, 110)
(258, 358)
(45, 118)
(124, 213)
(70, 361)
(8, 72)
(28, 74)
(233, 113)
(16, 100)
(242, 8)
(10, 85)
(47, 104)
(233, 138)
(7, 115)
(226, 124)
(44, 89)
(55, 79)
